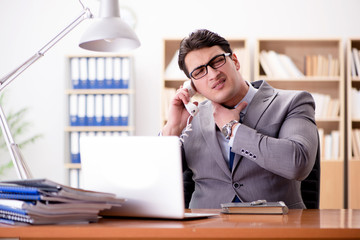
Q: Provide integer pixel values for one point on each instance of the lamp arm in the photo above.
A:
(85, 14)
(20, 165)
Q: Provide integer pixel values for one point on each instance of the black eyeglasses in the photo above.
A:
(214, 63)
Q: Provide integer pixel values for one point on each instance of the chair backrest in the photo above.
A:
(310, 187)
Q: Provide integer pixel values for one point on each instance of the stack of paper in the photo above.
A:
(41, 201)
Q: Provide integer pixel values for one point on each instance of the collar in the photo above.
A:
(248, 97)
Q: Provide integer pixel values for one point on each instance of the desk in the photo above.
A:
(298, 224)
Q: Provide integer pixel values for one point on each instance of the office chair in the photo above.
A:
(310, 186)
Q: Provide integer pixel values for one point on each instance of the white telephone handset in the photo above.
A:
(190, 107)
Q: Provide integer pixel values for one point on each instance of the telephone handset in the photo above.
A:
(190, 107)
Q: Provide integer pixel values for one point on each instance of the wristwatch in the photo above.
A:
(227, 129)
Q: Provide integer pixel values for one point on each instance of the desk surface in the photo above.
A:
(299, 224)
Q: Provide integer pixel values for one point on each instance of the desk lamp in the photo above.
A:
(108, 34)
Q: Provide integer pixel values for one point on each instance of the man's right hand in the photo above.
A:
(177, 115)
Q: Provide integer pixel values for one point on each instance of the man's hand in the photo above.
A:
(223, 115)
(177, 115)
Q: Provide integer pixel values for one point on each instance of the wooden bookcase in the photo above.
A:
(173, 77)
(308, 55)
(113, 81)
(353, 122)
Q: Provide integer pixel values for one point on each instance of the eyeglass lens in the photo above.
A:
(214, 63)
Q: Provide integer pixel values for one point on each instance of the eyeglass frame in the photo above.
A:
(209, 64)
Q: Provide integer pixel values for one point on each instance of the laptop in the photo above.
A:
(145, 170)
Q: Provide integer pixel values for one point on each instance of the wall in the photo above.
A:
(26, 25)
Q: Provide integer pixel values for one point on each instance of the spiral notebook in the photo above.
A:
(145, 170)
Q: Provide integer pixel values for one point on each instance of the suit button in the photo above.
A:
(237, 185)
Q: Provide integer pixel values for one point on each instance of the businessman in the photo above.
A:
(249, 141)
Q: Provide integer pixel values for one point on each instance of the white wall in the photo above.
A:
(26, 25)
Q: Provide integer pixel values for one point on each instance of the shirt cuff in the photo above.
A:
(231, 141)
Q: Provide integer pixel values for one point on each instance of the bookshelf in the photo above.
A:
(353, 121)
(99, 98)
(173, 77)
(317, 66)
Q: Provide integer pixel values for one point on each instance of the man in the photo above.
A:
(248, 141)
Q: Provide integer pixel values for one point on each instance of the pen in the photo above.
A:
(258, 202)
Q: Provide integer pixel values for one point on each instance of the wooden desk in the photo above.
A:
(298, 224)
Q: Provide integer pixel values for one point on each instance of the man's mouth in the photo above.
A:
(219, 84)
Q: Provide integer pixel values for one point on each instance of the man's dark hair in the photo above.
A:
(199, 39)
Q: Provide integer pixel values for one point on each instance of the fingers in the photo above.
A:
(183, 95)
(241, 106)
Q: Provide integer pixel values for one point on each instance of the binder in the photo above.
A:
(92, 72)
(125, 67)
(75, 72)
(82, 110)
(124, 110)
(74, 147)
(115, 110)
(64, 205)
(99, 110)
(100, 72)
(117, 73)
(108, 72)
(90, 110)
(107, 110)
(83, 73)
(73, 110)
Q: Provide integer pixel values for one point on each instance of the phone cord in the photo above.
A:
(187, 129)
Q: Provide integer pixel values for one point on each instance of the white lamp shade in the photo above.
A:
(109, 35)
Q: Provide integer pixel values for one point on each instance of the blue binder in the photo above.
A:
(83, 73)
(75, 72)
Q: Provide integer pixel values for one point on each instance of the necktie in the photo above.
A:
(231, 159)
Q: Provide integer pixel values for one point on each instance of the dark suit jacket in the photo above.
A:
(275, 148)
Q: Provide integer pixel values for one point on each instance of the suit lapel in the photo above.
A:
(257, 107)
(259, 104)
(209, 133)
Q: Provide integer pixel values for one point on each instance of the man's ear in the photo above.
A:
(235, 60)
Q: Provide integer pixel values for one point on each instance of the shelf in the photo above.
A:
(98, 86)
(304, 79)
(353, 166)
(99, 128)
(73, 165)
(307, 72)
(99, 91)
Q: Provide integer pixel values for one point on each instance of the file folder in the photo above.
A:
(73, 110)
(82, 109)
(75, 72)
(92, 72)
(74, 147)
(99, 110)
(125, 73)
(90, 110)
(83, 73)
(107, 110)
(115, 110)
(108, 72)
(124, 110)
(100, 72)
(117, 73)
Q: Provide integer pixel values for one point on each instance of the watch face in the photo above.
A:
(225, 131)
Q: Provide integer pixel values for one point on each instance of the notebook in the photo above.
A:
(145, 170)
